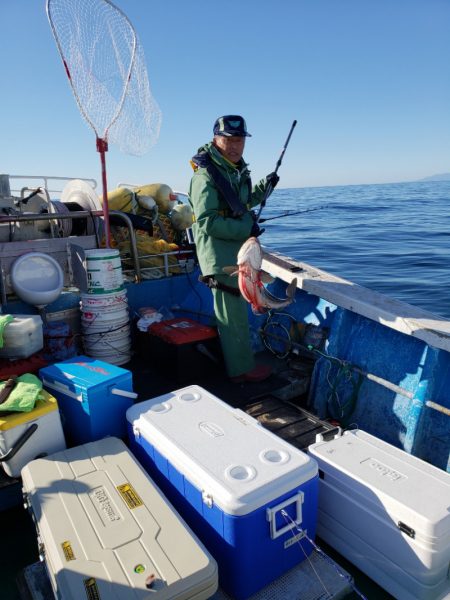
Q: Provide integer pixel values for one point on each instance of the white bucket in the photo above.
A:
(105, 317)
(109, 348)
(106, 310)
(97, 333)
(105, 345)
(104, 271)
(120, 337)
(99, 329)
(104, 301)
(111, 344)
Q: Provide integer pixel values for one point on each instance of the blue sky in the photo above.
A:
(367, 80)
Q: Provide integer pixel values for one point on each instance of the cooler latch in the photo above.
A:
(406, 529)
(271, 515)
(207, 499)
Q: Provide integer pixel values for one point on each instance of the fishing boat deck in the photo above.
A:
(266, 401)
(278, 403)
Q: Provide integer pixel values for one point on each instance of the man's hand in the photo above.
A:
(256, 230)
(272, 179)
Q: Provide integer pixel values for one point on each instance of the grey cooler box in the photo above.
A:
(106, 531)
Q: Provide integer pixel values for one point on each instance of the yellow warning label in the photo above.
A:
(90, 585)
(129, 495)
(68, 550)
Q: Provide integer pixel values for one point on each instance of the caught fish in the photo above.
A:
(252, 278)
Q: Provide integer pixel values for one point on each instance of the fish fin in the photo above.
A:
(259, 310)
(290, 290)
(231, 270)
(266, 277)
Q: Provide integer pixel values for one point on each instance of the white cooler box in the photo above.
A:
(27, 435)
(387, 512)
(232, 480)
(22, 337)
(107, 531)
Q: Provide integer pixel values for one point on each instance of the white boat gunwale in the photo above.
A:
(392, 313)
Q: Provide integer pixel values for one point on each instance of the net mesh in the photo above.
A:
(106, 68)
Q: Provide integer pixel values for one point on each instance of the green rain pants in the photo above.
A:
(232, 323)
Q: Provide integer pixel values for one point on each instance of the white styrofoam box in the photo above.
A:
(42, 424)
(108, 532)
(386, 511)
(22, 337)
(231, 479)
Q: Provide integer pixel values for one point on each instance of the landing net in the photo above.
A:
(106, 68)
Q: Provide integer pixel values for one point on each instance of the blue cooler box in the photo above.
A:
(247, 494)
(93, 397)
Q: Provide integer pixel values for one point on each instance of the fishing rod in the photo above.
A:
(269, 188)
(294, 212)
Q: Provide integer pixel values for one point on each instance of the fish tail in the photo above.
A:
(290, 290)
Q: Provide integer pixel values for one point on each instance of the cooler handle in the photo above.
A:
(271, 514)
(61, 387)
(19, 443)
(331, 434)
(125, 393)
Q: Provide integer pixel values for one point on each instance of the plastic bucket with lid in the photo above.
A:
(104, 271)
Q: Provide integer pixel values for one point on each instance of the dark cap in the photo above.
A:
(231, 125)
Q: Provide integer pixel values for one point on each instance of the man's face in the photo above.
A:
(230, 147)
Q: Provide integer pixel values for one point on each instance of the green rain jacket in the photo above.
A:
(218, 235)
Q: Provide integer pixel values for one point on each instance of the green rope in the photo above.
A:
(347, 374)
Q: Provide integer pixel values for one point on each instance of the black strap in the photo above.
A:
(212, 283)
(8, 388)
(223, 185)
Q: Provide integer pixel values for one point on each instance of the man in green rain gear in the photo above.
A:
(222, 196)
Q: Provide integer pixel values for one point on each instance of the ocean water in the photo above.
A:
(393, 238)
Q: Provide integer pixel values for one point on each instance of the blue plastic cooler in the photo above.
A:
(232, 481)
(93, 397)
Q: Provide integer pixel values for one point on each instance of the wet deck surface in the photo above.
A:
(279, 403)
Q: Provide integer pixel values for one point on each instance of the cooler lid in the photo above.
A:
(82, 370)
(238, 465)
(43, 406)
(410, 490)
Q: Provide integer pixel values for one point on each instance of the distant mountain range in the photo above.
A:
(440, 177)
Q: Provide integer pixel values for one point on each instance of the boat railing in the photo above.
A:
(43, 181)
(60, 249)
(182, 262)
